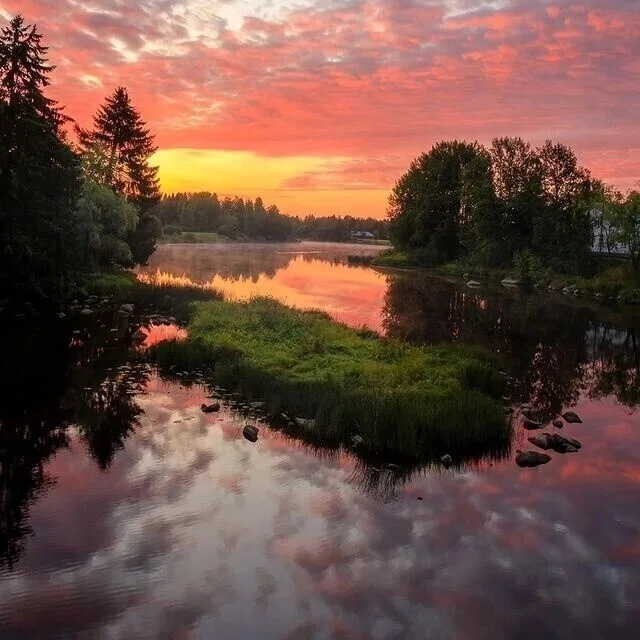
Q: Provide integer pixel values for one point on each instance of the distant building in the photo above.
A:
(362, 235)
(603, 244)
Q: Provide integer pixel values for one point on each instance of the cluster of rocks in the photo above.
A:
(546, 441)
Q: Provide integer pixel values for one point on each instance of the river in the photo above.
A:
(126, 512)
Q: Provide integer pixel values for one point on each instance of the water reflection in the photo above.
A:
(556, 350)
(127, 513)
(194, 527)
(53, 380)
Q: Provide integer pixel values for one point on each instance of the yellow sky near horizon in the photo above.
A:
(249, 175)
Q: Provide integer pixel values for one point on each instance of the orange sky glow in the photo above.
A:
(319, 107)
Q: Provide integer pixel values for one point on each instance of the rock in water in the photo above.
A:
(139, 336)
(305, 423)
(571, 417)
(250, 432)
(560, 444)
(544, 441)
(473, 284)
(531, 425)
(558, 424)
(531, 458)
(446, 460)
(210, 408)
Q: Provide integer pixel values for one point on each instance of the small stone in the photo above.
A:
(543, 440)
(210, 408)
(356, 440)
(61, 315)
(531, 458)
(446, 460)
(571, 417)
(250, 432)
(558, 424)
(86, 312)
(419, 498)
(531, 425)
(473, 284)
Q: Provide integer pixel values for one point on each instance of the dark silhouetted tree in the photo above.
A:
(120, 136)
(39, 173)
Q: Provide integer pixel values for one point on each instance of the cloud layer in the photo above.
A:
(362, 85)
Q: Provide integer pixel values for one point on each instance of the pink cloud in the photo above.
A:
(376, 81)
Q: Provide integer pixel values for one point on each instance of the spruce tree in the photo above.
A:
(39, 173)
(127, 143)
(121, 135)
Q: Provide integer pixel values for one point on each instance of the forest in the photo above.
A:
(182, 214)
(512, 205)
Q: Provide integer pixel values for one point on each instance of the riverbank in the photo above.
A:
(412, 402)
(614, 283)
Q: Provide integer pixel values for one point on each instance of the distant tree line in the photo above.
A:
(66, 210)
(246, 219)
(509, 204)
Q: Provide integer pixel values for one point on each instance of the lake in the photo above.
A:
(126, 512)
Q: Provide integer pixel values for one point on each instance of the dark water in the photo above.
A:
(125, 512)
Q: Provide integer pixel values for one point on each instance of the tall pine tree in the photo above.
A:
(120, 134)
(39, 173)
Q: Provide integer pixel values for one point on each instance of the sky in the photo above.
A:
(319, 107)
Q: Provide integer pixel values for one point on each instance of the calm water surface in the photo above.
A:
(125, 512)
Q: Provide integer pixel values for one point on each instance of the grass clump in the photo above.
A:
(413, 401)
(394, 259)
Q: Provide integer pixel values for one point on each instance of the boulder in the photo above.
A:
(250, 432)
(558, 424)
(531, 458)
(446, 460)
(210, 408)
(543, 440)
(531, 425)
(571, 417)
(560, 444)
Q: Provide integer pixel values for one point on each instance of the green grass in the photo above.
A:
(124, 286)
(394, 259)
(414, 402)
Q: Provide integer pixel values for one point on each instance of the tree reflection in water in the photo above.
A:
(556, 349)
(52, 380)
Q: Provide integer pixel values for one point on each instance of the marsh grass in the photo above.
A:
(413, 401)
(150, 292)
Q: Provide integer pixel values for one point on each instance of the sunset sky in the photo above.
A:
(319, 106)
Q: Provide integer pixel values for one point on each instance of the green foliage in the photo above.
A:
(396, 396)
(425, 206)
(461, 201)
(104, 221)
(393, 259)
(529, 267)
(39, 174)
(245, 219)
(117, 153)
(630, 296)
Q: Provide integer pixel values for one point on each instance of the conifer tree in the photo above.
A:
(122, 137)
(39, 173)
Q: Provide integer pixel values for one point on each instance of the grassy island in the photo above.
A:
(414, 401)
